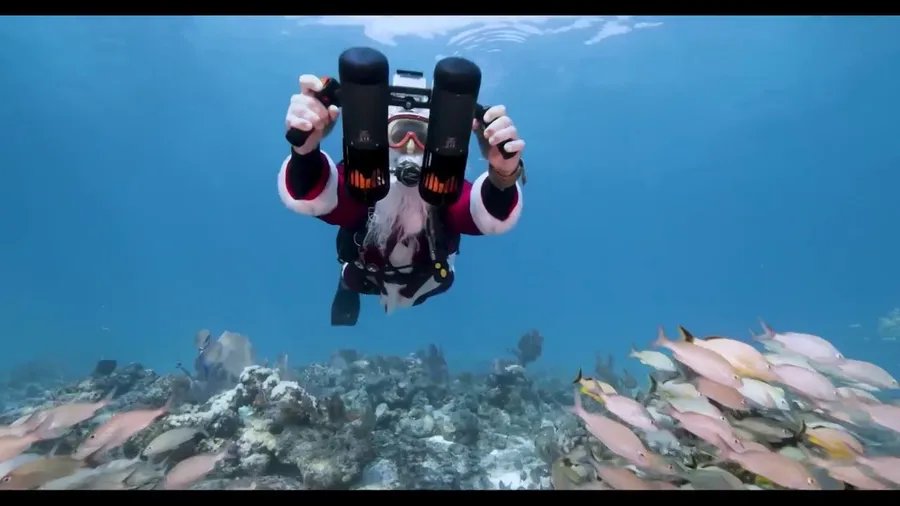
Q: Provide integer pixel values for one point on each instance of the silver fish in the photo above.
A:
(23, 458)
(71, 482)
(713, 478)
(764, 429)
(172, 439)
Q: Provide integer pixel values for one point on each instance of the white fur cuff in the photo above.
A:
(324, 203)
(486, 223)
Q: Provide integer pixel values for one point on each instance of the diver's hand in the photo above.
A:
(501, 129)
(306, 113)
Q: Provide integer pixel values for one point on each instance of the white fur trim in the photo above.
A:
(486, 223)
(323, 204)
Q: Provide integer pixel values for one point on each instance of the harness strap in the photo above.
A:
(351, 251)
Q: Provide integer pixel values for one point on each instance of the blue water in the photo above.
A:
(702, 171)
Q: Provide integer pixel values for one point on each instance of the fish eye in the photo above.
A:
(735, 376)
(723, 419)
(737, 442)
(838, 355)
(641, 454)
(811, 481)
(6, 479)
(93, 436)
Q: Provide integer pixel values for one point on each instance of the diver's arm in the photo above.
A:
(484, 208)
(313, 185)
(492, 204)
(308, 183)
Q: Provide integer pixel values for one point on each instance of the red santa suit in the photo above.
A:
(313, 185)
(399, 267)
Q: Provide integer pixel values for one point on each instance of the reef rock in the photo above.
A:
(356, 422)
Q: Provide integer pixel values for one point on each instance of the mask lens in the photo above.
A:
(401, 131)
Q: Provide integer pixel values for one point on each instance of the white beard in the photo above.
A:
(402, 211)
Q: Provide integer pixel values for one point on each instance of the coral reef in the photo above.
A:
(355, 422)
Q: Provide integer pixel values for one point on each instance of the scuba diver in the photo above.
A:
(392, 247)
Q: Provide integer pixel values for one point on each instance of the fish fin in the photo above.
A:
(633, 352)
(55, 448)
(724, 453)
(812, 457)
(797, 423)
(645, 401)
(592, 395)
(162, 465)
(666, 409)
(44, 430)
(131, 473)
(578, 408)
(578, 378)
(180, 367)
(110, 396)
(762, 481)
(768, 333)
(169, 403)
(691, 461)
(685, 372)
(685, 334)
(654, 385)
(661, 338)
(713, 338)
(604, 387)
(92, 460)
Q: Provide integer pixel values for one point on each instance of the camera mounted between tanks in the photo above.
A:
(406, 96)
(366, 90)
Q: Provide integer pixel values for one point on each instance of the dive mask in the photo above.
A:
(407, 132)
(406, 135)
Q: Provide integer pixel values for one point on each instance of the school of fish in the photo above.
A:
(88, 466)
(720, 414)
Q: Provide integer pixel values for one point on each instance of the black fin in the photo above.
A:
(685, 372)
(578, 378)
(685, 335)
(345, 307)
(651, 390)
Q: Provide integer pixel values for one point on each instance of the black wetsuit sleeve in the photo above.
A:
(499, 203)
(305, 172)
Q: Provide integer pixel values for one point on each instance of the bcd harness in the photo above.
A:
(351, 253)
